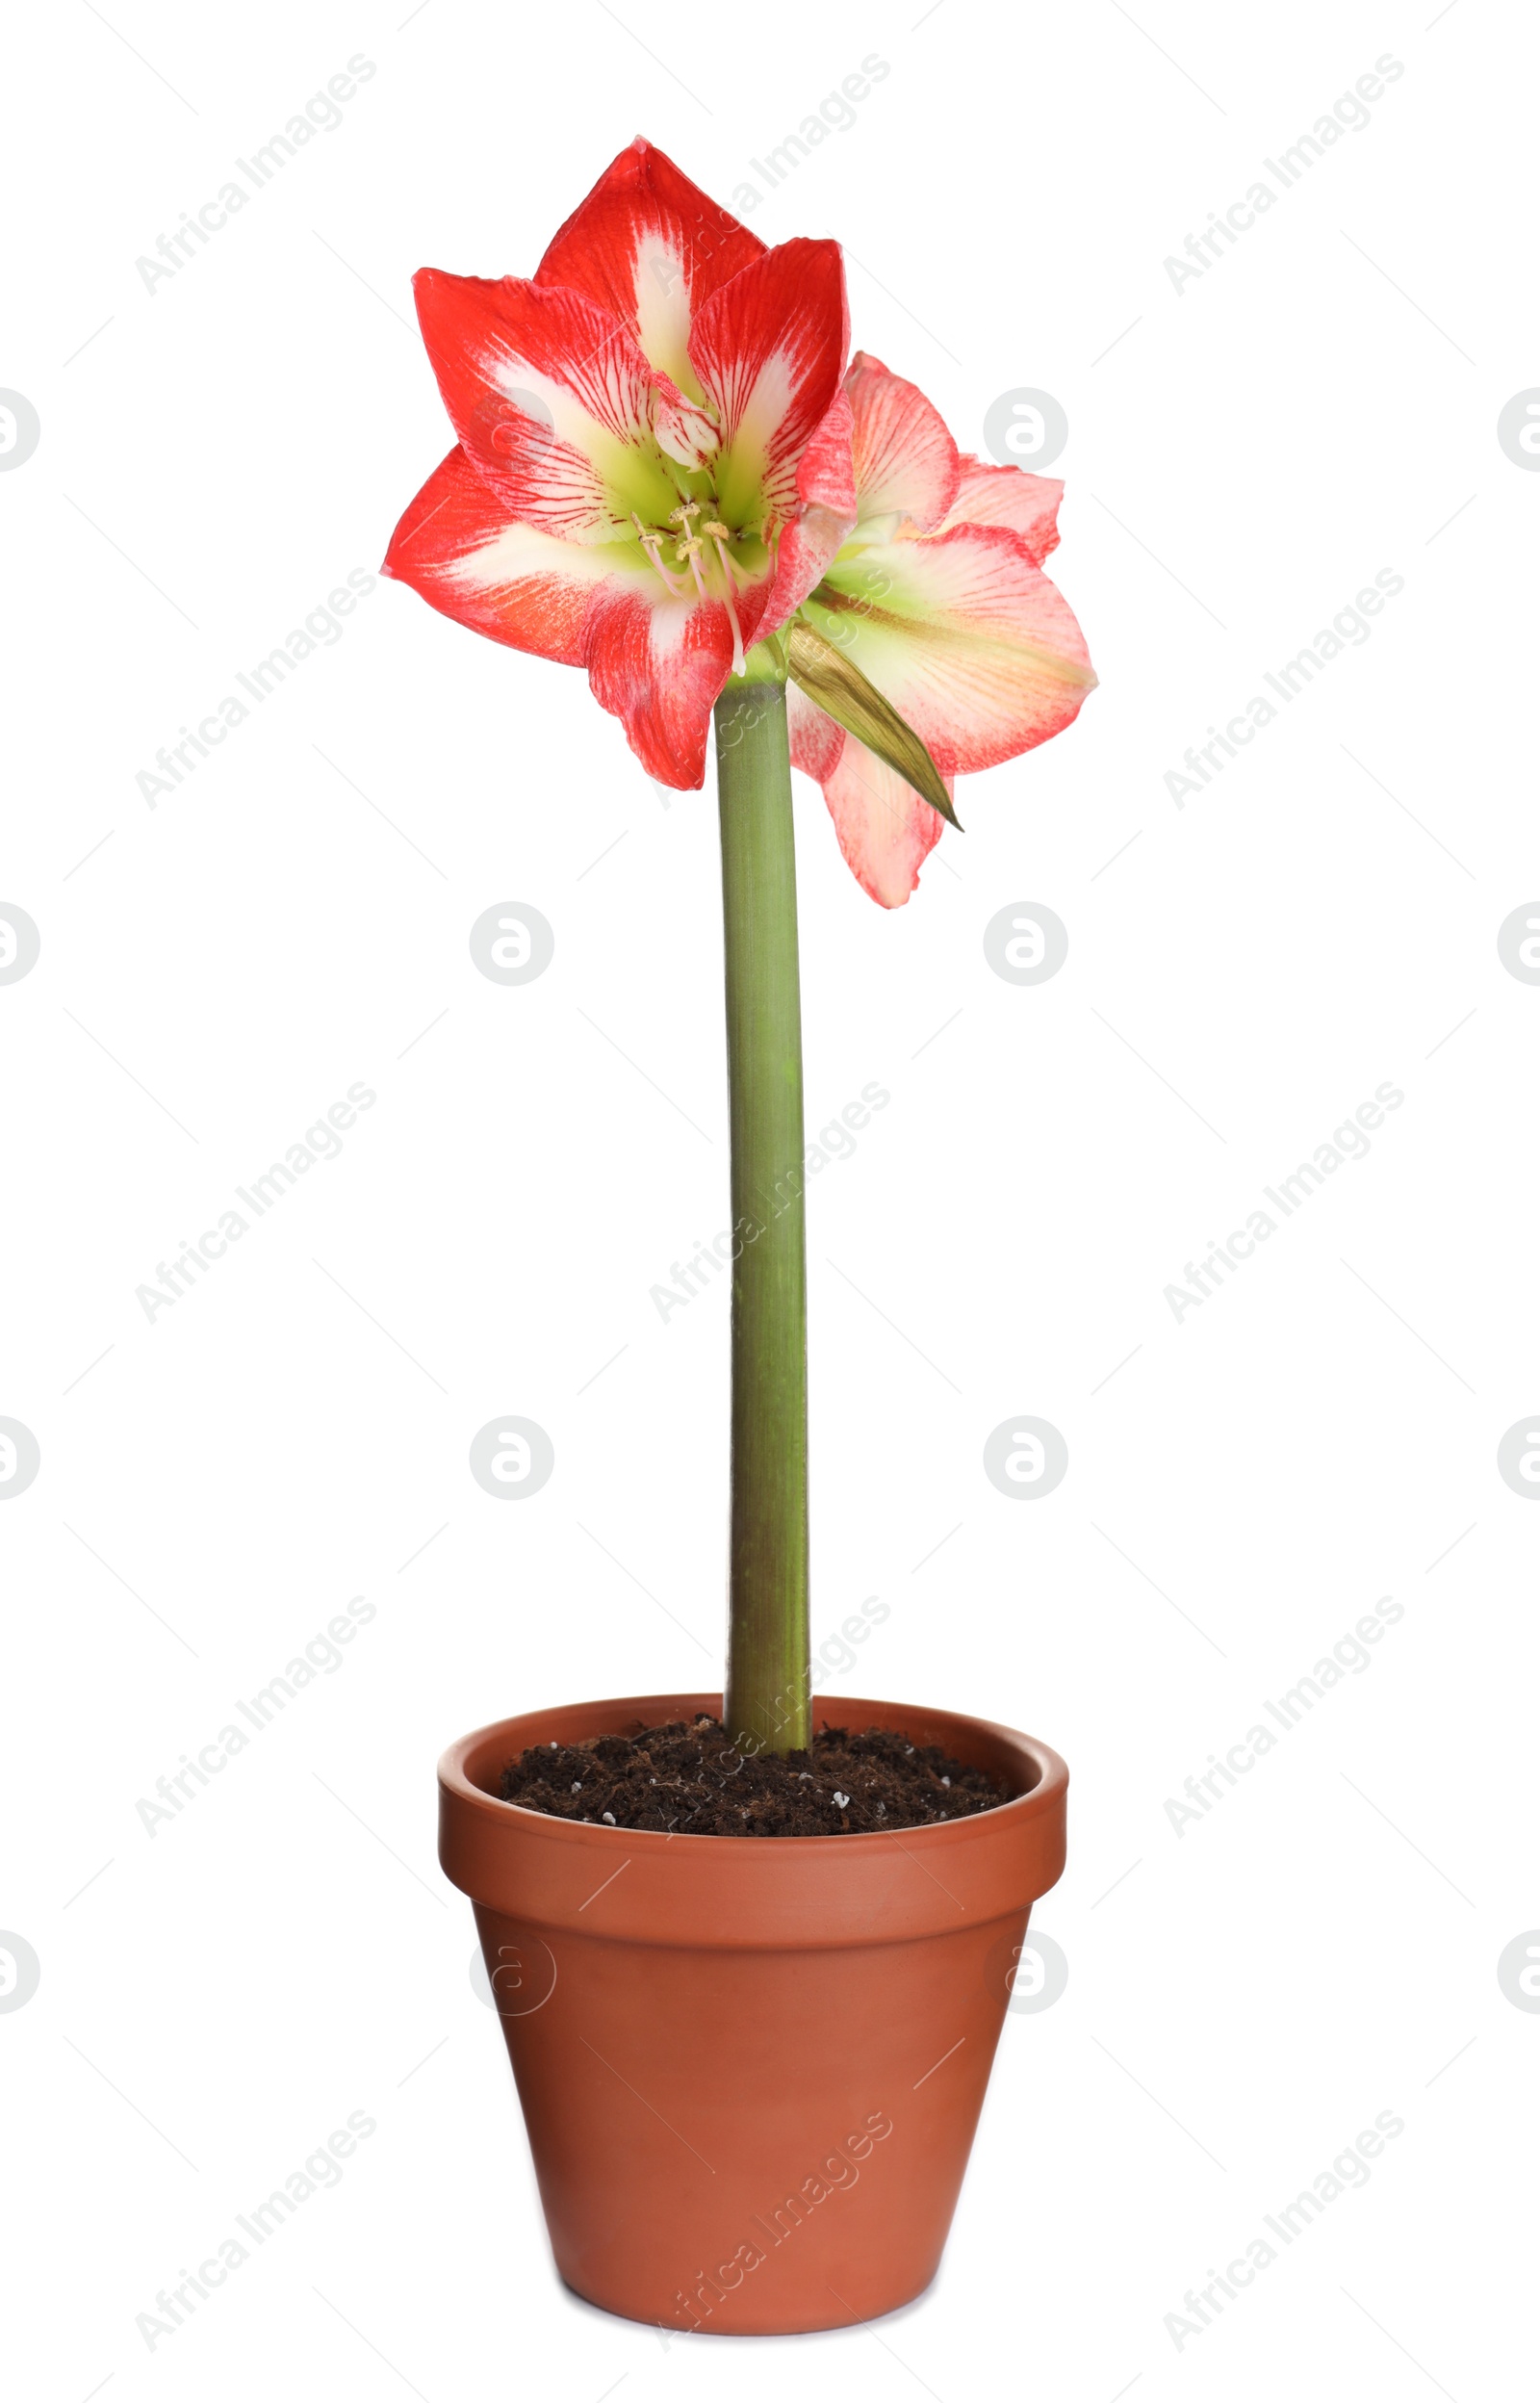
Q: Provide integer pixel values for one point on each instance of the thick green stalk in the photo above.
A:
(768, 1689)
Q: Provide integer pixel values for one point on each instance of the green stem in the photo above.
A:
(768, 1689)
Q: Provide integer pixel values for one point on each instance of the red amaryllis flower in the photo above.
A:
(653, 465)
(938, 598)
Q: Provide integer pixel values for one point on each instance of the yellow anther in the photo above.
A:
(684, 512)
(714, 526)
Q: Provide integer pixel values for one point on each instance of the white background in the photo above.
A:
(1244, 456)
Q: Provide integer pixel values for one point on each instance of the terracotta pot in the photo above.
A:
(751, 2067)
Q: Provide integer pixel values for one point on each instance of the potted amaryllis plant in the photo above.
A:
(752, 1968)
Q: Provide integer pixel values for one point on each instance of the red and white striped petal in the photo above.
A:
(768, 349)
(1008, 496)
(657, 665)
(551, 400)
(966, 637)
(658, 668)
(906, 461)
(649, 248)
(826, 496)
(458, 546)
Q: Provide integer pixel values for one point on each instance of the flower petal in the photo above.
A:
(906, 461)
(649, 248)
(769, 350)
(1008, 496)
(660, 669)
(458, 547)
(656, 664)
(884, 827)
(826, 492)
(814, 738)
(552, 400)
(964, 635)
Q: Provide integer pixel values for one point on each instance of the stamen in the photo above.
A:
(651, 544)
(684, 512)
(672, 582)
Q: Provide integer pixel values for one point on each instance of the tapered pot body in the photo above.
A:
(751, 2067)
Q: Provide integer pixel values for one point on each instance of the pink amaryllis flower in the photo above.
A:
(654, 463)
(938, 598)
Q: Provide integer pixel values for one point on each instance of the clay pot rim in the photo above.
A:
(1041, 1800)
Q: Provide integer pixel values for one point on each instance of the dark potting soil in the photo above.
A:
(686, 1778)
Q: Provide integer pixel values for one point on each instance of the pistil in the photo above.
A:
(722, 535)
(732, 618)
